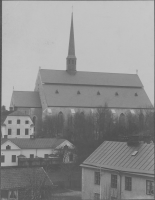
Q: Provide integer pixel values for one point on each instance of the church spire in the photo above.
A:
(71, 59)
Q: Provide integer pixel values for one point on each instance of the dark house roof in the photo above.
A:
(67, 96)
(25, 99)
(90, 78)
(118, 156)
(4, 115)
(37, 143)
(21, 177)
(18, 113)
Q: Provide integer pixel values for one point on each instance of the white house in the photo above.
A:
(13, 150)
(118, 171)
(17, 125)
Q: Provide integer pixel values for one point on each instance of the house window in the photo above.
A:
(8, 147)
(9, 122)
(150, 187)
(26, 131)
(9, 131)
(97, 178)
(18, 131)
(26, 122)
(13, 158)
(128, 183)
(18, 121)
(114, 181)
(31, 155)
(2, 158)
(45, 155)
(96, 196)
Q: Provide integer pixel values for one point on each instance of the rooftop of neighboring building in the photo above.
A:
(20, 177)
(35, 143)
(122, 157)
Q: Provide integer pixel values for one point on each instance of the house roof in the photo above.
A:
(18, 113)
(90, 78)
(37, 143)
(117, 156)
(26, 99)
(67, 96)
(21, 177)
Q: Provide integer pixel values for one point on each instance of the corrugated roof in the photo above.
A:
(37, 143)
(17, 113)
(90, 78)
(67, 96)
(26, 99)
(21, 177)
(117, 156)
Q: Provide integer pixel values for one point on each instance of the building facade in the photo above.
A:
(15, 152)
(117, 171)
(17, 125)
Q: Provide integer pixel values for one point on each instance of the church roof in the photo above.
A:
(90, 78)
(25, 99)
(89, 96)
(120, 156)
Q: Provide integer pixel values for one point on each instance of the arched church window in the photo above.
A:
(60, 122)
(122, 119)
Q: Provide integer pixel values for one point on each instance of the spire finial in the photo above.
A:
(71, 58)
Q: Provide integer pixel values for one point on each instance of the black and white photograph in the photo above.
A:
(77, 100)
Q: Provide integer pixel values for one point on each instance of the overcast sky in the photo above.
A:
(115, 37)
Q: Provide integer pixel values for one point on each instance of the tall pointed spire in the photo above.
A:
(71, 58)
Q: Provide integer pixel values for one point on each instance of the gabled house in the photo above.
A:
(34, 151)
(25, 183)
(116, 170)
(17, 125)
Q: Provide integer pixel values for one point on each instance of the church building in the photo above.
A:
(67, 91)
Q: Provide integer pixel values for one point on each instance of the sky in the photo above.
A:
(110, 36)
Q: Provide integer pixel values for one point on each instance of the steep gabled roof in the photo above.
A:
(37, 143)
(21, 177)
(90, 78)
(26, 99)
(67, 96)
(118, 156)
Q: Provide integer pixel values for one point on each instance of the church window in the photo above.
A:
(98, 93)
(60, 122)
(34, 121)
(18, 121)
(122, 119)
(78, 92)
(13, 195)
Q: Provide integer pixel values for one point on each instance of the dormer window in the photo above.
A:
(8, 147)
(136, 94)
(116, 93)
(98, 93)
(56, 92)
(78, 92)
